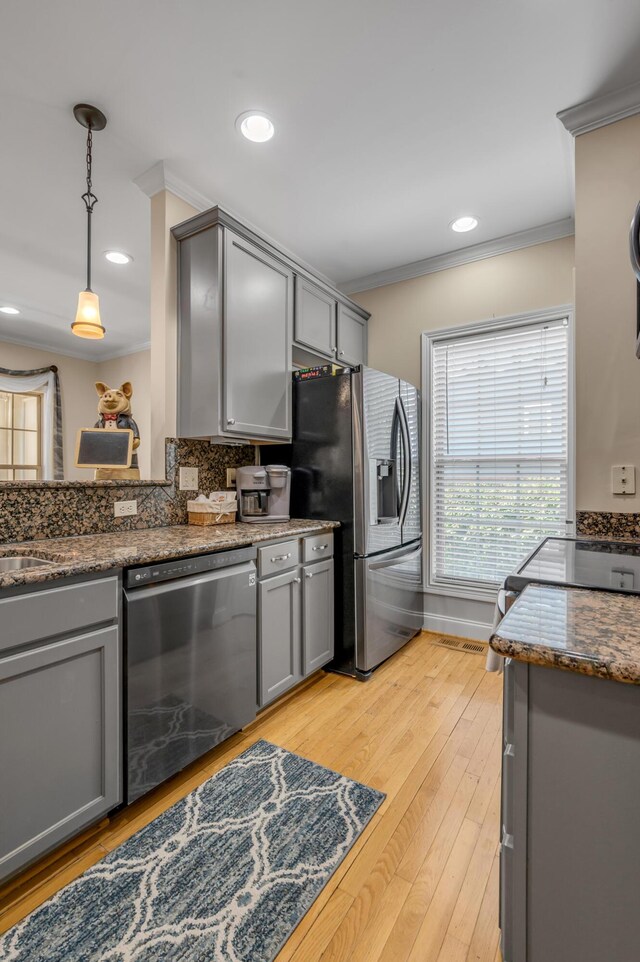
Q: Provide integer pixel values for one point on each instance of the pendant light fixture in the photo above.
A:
(87, 322)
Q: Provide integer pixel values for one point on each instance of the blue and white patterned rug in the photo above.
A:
(224, 875)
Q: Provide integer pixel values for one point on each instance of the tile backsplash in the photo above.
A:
(607, 524)
(57, 509)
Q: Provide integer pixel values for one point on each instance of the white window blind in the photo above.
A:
(499, 449)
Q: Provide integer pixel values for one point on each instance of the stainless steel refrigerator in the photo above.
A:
(355, 458)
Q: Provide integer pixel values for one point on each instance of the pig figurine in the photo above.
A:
(114, 408)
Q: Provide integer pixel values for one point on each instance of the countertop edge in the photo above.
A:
(603, 660)
(109, 562)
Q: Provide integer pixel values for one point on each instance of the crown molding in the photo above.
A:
(160, 177)
(477, 252)
(79, 355)
(601, 111)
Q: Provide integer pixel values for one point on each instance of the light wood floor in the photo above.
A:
(421, 884)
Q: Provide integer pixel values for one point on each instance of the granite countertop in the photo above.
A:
(590, 632)
(100, 552)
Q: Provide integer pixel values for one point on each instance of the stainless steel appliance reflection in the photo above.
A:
(190, 635)
(356, 459)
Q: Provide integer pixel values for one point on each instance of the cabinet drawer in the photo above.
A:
(274, 558)
(56, 611)
(317, 547)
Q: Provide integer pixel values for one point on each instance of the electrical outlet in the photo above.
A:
(188, 479)
(123, 509)
(231, 477)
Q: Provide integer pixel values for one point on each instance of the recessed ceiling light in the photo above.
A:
(255, 125)
(9, 310)
(118, 257)
(463, 224)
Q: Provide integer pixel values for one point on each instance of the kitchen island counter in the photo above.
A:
(590, 632)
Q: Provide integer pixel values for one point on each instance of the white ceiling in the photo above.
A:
(392, 118)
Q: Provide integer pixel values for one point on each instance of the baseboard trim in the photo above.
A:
(460, 627)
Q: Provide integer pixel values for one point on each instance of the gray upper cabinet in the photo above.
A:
(317, 615)
(258, 311)
(315, 318)
(351, 337)
(60, 712)
(238, 327)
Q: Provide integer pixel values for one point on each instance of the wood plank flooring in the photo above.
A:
(421, 884)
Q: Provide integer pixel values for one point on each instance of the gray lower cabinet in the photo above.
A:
(317, 616)
(570, 846)
(351, 339)
(279, 649)
(295, 615)
(60, 725)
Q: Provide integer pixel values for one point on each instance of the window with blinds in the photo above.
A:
(499, 449)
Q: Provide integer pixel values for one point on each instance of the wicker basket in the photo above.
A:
(210, 517)
(203, 513)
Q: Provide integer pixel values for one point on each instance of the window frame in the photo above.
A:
(39, 467)
(431, 338)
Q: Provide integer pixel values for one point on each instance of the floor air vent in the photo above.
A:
(461, 644)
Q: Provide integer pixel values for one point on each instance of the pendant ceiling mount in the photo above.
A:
(88, 323)
(90, 117)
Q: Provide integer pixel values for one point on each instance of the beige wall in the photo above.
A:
(137, 369)
(79, 398)
(526, 280)
(167, 210)
(607, 371)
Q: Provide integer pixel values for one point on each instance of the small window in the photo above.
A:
(499, 448)
(20, 436)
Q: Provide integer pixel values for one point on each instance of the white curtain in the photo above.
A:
(45, 384)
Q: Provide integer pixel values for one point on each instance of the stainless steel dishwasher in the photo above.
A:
(190, 637)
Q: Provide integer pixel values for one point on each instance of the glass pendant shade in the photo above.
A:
(87, 322)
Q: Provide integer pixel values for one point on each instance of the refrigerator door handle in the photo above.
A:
(395, 432)
(406, 453)
(392, 558)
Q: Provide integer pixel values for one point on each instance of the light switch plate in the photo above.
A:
(623, 479)
(188, 479)
(122, 509)
(231, 477)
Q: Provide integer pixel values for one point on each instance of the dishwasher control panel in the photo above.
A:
(182, 567)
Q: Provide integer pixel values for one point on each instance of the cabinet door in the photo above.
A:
(258, 310)
(279, 632)
(60, 753)
(315, 319)
(352, 337)
(317, 616)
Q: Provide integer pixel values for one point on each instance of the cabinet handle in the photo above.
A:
(281, 557)
(334, 350)
(297, 581)
(341, 353)
(231, 420)
(320, 547)
(309, 574)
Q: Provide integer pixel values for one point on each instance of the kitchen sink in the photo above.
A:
(16, 562)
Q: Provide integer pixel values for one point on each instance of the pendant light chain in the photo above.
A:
(90, 200)
(88, 322)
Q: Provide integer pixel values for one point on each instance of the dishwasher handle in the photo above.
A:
(140, 592)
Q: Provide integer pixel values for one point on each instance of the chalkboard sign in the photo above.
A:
(104, 448)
